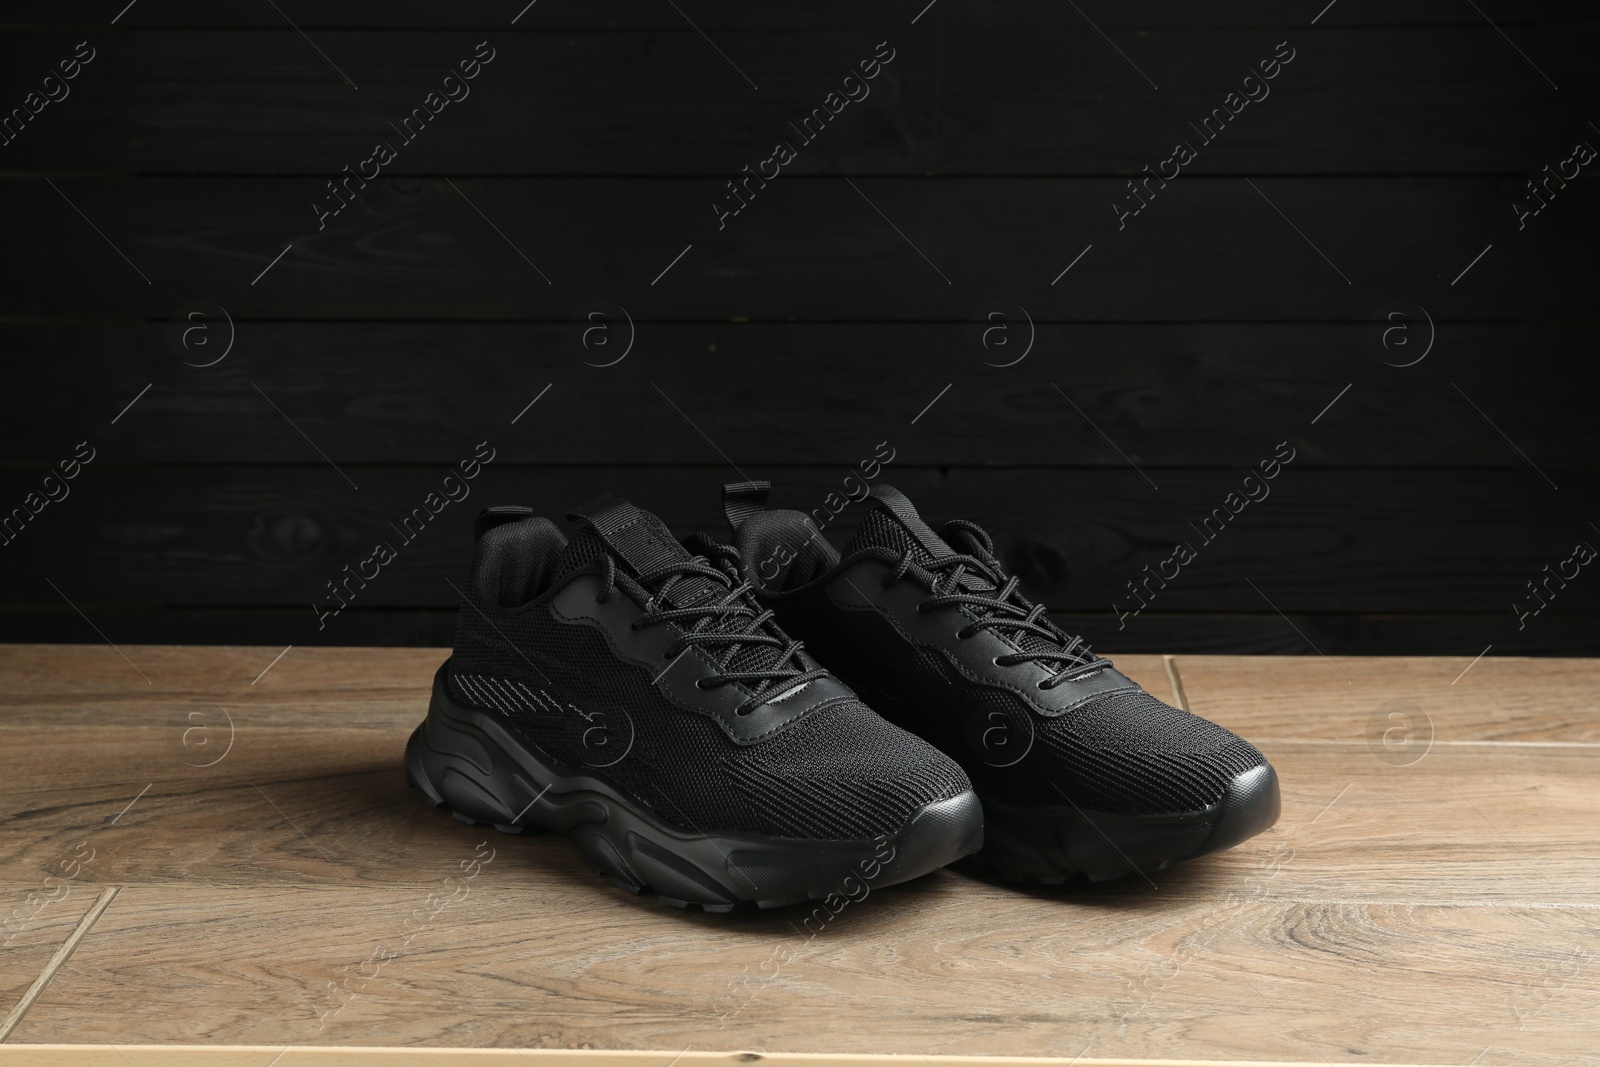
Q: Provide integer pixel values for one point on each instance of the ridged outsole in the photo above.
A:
(467, 761)
(1052, 845)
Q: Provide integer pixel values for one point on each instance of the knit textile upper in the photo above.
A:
(840, 773)
(1125, 752)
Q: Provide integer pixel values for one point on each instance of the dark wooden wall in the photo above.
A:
(1382, 174)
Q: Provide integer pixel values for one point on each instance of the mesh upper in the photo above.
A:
(1125, 752)
(1151, 756)
(586, 548)
(880, 529)
(840, 773)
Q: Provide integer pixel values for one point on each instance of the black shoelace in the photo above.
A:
(1002, 610)
(730, 622)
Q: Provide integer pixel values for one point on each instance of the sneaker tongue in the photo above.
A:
(640, 543)
(637, 540)
(892, 523)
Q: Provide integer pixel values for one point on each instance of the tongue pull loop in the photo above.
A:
(896, 504)
(699, 594)
(643, 544)
(633, 536)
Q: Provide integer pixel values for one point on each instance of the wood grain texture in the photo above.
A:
(1171, 395)
(911, 973)
(1210, 248)
(309, 805)
(1448, 700)
(792, 14)
(303, 785)
(991, 156)
(1420, 913)
(969, 94)
(36, 919)
(57, 960)
(67, 1055)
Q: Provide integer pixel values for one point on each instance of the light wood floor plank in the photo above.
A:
(61, 1055)
(1349, 698)
(1425, 912)
(56, 961)
(908, 972)
(290, 807)
(37, 918)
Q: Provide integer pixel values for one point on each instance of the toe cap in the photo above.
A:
(1250, 805)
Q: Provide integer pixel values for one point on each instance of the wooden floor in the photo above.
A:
(199, 853)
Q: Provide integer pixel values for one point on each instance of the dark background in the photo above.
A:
(1171, 358)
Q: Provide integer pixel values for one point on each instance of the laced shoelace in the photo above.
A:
(1000, 610)
(740, 623)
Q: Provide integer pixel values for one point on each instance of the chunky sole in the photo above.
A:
(1056, 843)
(468, 761)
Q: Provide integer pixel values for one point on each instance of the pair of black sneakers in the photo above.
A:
(639, 694)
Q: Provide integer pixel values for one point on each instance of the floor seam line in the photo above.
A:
(62, 954)
(1176, 681)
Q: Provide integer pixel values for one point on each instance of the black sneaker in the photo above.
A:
(627, 691)
(1081, 772)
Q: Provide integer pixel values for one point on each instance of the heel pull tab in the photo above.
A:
(740, 500)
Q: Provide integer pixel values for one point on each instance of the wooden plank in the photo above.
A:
(1439, 700)
(796, 14)
(970, 97)
(815, 248)
(38, 916)
(63, 1055)
(908, 974)
(330, 808)
(1184, 395)
(1421, 541)
(1415, 912)
(69, 684)
(56, 961)
(202, 777)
